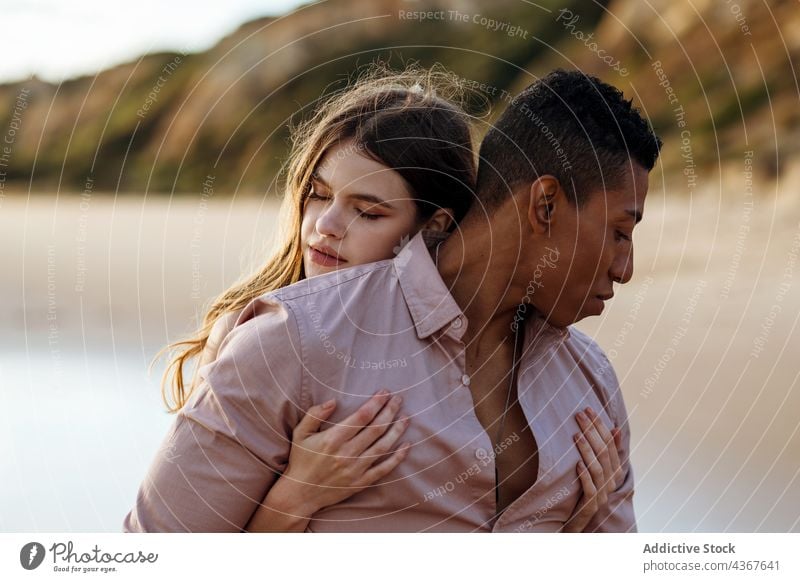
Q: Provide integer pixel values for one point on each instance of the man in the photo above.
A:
(472, 331)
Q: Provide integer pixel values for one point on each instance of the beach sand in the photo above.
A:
(704, 340)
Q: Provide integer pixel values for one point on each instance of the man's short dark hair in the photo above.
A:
(569, 125)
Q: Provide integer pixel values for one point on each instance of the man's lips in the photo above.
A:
(601, 301)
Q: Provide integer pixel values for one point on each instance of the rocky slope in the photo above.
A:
(721, 71)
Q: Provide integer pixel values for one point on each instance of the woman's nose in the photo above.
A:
(330, 222)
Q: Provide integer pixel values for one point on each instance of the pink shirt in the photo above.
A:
(347, 334)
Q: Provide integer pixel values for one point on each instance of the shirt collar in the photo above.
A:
(432, 306)
(428, 299)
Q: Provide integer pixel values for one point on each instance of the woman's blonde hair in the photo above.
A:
(411, 121)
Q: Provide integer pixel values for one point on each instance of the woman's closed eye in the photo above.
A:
(368, 216)
(314, 195)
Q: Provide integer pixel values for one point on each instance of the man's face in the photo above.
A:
(589, 249)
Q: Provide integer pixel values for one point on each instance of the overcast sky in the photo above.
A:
(59, 39)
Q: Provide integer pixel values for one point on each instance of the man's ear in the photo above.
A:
(546, 197)
(441, 220)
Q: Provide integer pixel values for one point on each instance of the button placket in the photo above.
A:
(482, 482)
(530, 401)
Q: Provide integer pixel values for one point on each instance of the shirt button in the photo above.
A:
(465, 380)
(480, 453)
(456, 323)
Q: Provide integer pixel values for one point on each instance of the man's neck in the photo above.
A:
(479, 264)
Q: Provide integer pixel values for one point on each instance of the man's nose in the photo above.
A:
(331, 223)
(622, 267)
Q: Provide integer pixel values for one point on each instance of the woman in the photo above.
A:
(377, 163)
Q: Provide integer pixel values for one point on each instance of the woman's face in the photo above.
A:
(357, 211)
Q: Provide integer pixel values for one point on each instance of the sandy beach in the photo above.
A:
(704, 340)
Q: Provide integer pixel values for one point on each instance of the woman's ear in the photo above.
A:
(441, 220)
(543, 203)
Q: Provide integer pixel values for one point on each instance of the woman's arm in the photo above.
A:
(281, 511)
(288, 507)
(221, 328)
(232, 439)
(330, 466)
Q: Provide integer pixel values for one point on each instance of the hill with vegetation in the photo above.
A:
(715, 77)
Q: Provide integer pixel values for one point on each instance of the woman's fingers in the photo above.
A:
(376, 429)
(587, 506)
(608, 438)
(593, 465)
(604, 432)
(589, 501)
(350, 426)
(312, 420)
(323, 461)
(384, 444)
(618, 447)
(615, 465)
(386, 466)
(599, 469)
(598, 446)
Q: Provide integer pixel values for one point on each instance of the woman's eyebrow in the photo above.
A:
(317, 178)
(373, 199)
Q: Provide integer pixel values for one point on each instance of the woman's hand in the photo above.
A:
(600, 470)
(326, 467)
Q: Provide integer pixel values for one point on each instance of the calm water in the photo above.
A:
(78, 430)
(91, 292)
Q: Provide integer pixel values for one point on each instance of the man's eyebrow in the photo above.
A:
(637, 214)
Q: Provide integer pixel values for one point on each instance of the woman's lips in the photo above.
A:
(323, 259)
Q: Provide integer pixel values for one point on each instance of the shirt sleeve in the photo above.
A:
(618, 515)
(231, 441)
